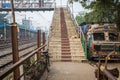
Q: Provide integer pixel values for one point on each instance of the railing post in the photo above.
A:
(43, 40)
(15, 50)
(17, 64)
(14, 35)
(38, 43)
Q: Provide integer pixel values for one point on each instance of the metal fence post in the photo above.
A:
(38, 43)
(15, 50)
(14, 43)
(43, 40)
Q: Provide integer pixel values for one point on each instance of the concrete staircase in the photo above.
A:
(64, 44)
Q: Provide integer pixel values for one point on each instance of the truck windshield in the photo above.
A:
(113, 36)
(98, 36)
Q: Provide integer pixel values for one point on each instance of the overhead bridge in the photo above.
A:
(28, 9)
(27, 5)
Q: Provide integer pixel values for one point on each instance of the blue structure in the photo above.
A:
(84, 27)
(24, 32)
(2, 25)
(6, 5)
(19, 25)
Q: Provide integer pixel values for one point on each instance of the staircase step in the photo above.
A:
(65, 50)
(66, 53)
(65, 38)
(66, 60)
(63, 32)
(66, 57)
(65, 47)
(65, 44)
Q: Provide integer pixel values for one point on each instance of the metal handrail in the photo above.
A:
(79, 31)
(82, 37)
(17, 64)
(49, 36)
(77, 26)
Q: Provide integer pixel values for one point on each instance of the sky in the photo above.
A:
(44, 19)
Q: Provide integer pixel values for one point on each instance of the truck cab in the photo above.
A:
(103, 39)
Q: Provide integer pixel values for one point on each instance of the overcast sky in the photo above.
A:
(43, 19)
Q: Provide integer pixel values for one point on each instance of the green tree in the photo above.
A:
(102, 10)
(71, 1)
(80, 19)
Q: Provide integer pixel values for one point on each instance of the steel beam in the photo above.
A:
(27, 9)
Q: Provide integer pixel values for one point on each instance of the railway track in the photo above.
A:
(6, 58)
(7, 44)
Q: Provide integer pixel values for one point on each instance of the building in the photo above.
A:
(27, 23)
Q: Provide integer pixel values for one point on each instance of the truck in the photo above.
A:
(101, 40)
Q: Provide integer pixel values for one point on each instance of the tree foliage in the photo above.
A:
(102, 10)
(80, 19)
(71, 1)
